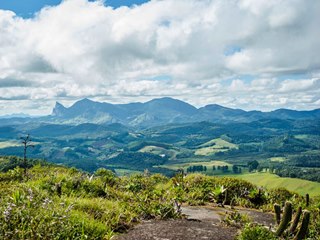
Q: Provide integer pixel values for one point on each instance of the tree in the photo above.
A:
(253, 165)
(26, 141)
(225, 168)
(108, 177)
(235, 169)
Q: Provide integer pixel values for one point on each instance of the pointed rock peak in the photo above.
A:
(59, 105)
(58, 110)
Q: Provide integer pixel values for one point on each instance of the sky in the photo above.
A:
(254, 55)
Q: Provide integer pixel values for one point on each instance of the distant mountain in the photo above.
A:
(59, 110)
(16, 115)
(292, 114)
(215, 112)
(160, 111)
(154, 112)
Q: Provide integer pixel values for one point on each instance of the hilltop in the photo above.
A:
(55, 202)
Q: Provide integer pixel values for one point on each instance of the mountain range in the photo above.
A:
(164, 111)
(160, 111)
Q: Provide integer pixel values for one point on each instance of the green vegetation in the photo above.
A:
(11, 162)
(55, 202)
(211, 168)
(285, 220)
(256, 232)
(184, 166)
(215, 146)
(60, 203)
(49, 201)
(269, 180)
(278, 159)
(288, 148)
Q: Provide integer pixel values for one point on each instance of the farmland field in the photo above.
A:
(7, 144)
(214, 146)
(186, 165)
(125, 172)
(269, 180)
(278, 159)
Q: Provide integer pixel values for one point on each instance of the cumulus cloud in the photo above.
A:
(86, 49)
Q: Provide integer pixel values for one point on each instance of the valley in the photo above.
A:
(159, 120)
(288, 146)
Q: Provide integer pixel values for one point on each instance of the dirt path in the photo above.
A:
(200, 223)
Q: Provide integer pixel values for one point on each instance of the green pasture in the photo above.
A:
(213, 146)
(269, 180)
(184, 166)
(6, 144)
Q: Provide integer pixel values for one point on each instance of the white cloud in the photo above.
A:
(290, 86)
(84, 49)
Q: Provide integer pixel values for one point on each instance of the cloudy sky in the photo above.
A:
(250, 54)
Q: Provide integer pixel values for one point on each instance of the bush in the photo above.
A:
(236, 219)
(279, 195)
(256, 232)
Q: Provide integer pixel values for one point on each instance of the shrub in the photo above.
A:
(256, 232)
(279, 195)
(236, 219)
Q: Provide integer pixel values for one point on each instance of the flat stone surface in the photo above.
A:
(201, 222)
(201, 213)
(181, 229)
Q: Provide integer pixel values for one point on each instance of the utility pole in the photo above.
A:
(26, 141)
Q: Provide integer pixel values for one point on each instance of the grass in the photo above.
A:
(301, 136)
(7, 144)
(209, 151)
(269, 180)
(86, 206)
(219, 143)
(186, 165)
(208, 164)
(54, 202)
(278, 159)
(159, 151)
(125, 172)
(214, 146)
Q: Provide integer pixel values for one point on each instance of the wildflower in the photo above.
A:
(30, 196)
(7, 211)
(46, 202)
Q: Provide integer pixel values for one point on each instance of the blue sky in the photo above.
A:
(249, 54)
(26, 8)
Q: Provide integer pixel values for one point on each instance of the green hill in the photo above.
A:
(273, 181)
